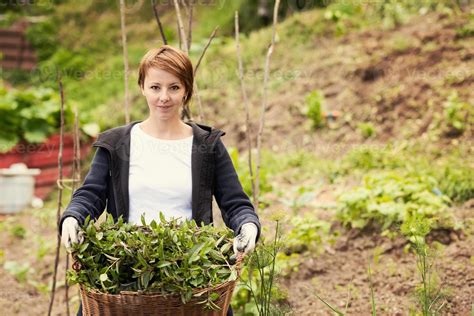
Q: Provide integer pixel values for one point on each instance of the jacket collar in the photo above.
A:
(117, 137)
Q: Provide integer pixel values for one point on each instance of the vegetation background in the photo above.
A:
(367, 158)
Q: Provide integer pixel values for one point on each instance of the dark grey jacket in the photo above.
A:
(213, 174)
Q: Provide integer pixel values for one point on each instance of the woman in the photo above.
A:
(163, 163)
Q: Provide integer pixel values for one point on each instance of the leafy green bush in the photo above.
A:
(167, 258)
(307, 234)
(314, 102)
(43, 37)
(31, 115)
(387, 199)
(456, 181)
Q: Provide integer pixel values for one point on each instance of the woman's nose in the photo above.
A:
(164, 95)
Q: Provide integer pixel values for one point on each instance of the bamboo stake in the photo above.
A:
(213, 34)
(76, 177)
(60, 194)
(182, 33)
(125, 59)
(264, 101)
(157, 17)
(246, 104)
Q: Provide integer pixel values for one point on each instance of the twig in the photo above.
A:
(196, 93)
(157, 17)
(125, 59)
(181, 27)
(213, 34)
(246, 104)
(264, 102)
(189, 11)
(180, 41)
(60, 194)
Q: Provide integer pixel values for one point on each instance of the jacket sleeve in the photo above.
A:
(235, 205)
(91, 197)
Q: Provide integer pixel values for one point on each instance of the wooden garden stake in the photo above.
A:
(264, 101)
(246, 104)
(60, 193)
(125, 60)
(182, 33)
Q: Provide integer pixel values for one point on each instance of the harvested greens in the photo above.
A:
(165, 258)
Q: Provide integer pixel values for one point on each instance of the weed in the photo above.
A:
(367, 129)
(18, 231)
(314, 102)
(429, 294)
(19, 271)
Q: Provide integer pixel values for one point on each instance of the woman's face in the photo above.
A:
(164, 94)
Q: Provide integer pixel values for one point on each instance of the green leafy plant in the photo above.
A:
(307, 234)
(30, 115)
(429, 294)
(258, 293)
(456, 181)
(390, 198)
(168, 258)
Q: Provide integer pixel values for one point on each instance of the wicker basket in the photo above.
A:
(136, 304)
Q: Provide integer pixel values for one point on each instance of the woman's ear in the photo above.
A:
(142, 90)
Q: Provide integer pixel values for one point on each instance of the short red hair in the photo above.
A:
(172, 60)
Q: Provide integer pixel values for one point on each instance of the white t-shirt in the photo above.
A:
(160, 177)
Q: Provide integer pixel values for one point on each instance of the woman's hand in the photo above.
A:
(245, 241)
(70, 233)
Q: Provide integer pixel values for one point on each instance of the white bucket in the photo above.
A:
(17, 186)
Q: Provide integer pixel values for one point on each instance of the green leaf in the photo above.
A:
(103, 277)
(163, 264)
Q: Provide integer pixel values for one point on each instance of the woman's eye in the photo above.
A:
(175, 87)
(154, 87)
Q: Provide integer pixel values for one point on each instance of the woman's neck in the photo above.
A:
(175, 129)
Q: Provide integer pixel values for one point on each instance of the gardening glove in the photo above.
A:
(71, 233)
(245, 241)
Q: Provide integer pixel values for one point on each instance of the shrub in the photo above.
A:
(387, 199)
